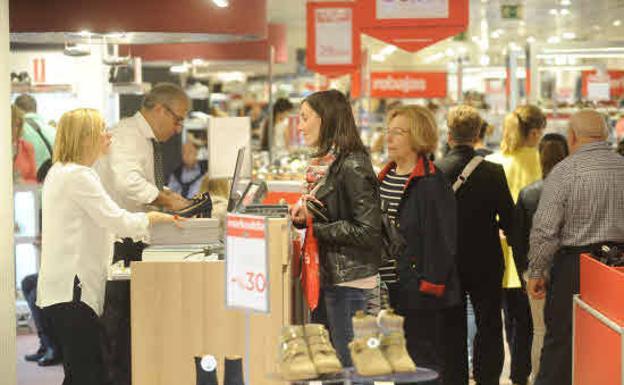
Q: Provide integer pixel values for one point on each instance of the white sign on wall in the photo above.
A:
(334, 44)
(412, 9)
(225, 137)
(246, 260)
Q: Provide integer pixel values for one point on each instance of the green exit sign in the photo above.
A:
(511, 11)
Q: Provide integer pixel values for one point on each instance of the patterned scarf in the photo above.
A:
(316, 170)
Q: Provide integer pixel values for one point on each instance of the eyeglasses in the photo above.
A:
(396, 131)
(178, 119)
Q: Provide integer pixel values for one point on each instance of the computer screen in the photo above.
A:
(233, 199)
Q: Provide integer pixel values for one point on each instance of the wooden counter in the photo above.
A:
(178, 312)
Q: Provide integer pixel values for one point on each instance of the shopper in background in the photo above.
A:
(133, 176)
(420, 201)
(79, 224)
(186, 179)
(620, 147)
(349, 244)
(281, 132)
(37, 132)
(581, 208)
(553, 148)
(522, 130)
(219, 190)
(24, 167)
(484, 206)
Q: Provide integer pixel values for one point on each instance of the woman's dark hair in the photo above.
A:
(553, 148)
(281, 105)
(338, 129)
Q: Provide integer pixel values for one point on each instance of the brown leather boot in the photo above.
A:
(322, 352)
(365, 348)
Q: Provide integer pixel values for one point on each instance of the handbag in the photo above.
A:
(310, 270)
(392, 240)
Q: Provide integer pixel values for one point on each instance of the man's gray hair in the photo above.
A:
(164, 93)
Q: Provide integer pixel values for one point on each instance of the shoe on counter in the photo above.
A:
(36, 356)
(201, 205)
(233, 372)
(323, 353)
(365, 348)
(295, 363)
(49, 358)
(393, 342)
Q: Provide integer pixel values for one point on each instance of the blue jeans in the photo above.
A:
(341, 304)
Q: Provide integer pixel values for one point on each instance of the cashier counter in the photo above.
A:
(178, 309)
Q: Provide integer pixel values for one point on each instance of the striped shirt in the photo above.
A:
(582, 204)
(391, 192)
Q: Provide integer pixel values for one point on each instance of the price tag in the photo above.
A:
(247, 272)
(333, 32)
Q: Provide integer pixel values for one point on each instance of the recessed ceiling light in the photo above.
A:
(554, 40)
(617, 23)
(553, 11)
(221, 3)
(564, 12)
(530, 39)
(568, 35)
(565, 3)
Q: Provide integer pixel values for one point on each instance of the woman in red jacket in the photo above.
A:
(24, 166)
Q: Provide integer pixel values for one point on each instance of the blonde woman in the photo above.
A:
(519, 155)
(423, 281)
(80, 222)
(219, 189)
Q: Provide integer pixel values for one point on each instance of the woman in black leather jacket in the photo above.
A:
(349, 241)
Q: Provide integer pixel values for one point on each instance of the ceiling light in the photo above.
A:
(564, 12)
(617, 23)
(553, 11)
(378, 57)
(568, 35)
(484, 60)
(221, 3)
(388, 50)
(554, 40)
(566, 3)
(197, 62)
(450, 52)
(84, 33)
(530, 39)
(179, 69)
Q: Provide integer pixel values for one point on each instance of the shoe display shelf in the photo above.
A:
(598, 336)
(349, 376)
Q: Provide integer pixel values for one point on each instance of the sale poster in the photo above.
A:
(247, 272)
(333, 36)
(412, 9)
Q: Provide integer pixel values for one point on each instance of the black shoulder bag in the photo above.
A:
(45, 166)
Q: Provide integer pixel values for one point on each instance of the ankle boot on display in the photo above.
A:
(206, 370)
(295, 363)
(393, 342)
(323, 354)
(366, 354)
(233, 371)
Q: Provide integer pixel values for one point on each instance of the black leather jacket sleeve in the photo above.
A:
(357, 187)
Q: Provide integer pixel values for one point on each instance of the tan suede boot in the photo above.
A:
(366, 354)
(393, 342)
(322, 352)
(295, 363)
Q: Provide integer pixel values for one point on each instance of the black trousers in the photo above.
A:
(556, 361)
(116, 317)
(29, 288)
(424, 330)
(519, 331)
(78, 331)
(488, 350)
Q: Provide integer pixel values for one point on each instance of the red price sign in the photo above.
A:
(247, 263)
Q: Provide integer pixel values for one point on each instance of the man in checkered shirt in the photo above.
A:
(581, 208)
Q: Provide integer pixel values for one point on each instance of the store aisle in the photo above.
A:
(29, 373)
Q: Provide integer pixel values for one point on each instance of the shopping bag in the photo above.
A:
(310, 271)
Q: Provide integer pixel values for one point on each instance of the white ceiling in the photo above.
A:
(567, 20)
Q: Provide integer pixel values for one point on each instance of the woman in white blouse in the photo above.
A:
(80, 224)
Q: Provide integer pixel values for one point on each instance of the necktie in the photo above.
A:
(159, 177)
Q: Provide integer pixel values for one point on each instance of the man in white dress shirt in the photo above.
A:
(133, 175)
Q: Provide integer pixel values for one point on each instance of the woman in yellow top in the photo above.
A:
(519, 156)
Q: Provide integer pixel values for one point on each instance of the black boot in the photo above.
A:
(36, 356)
(233, 371)
(206, 370)
(50, 357)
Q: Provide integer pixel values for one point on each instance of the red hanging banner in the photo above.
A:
(333, 39)
(408, 84)
(412, 24)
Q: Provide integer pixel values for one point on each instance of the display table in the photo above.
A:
(178, 313)
(599, 325)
